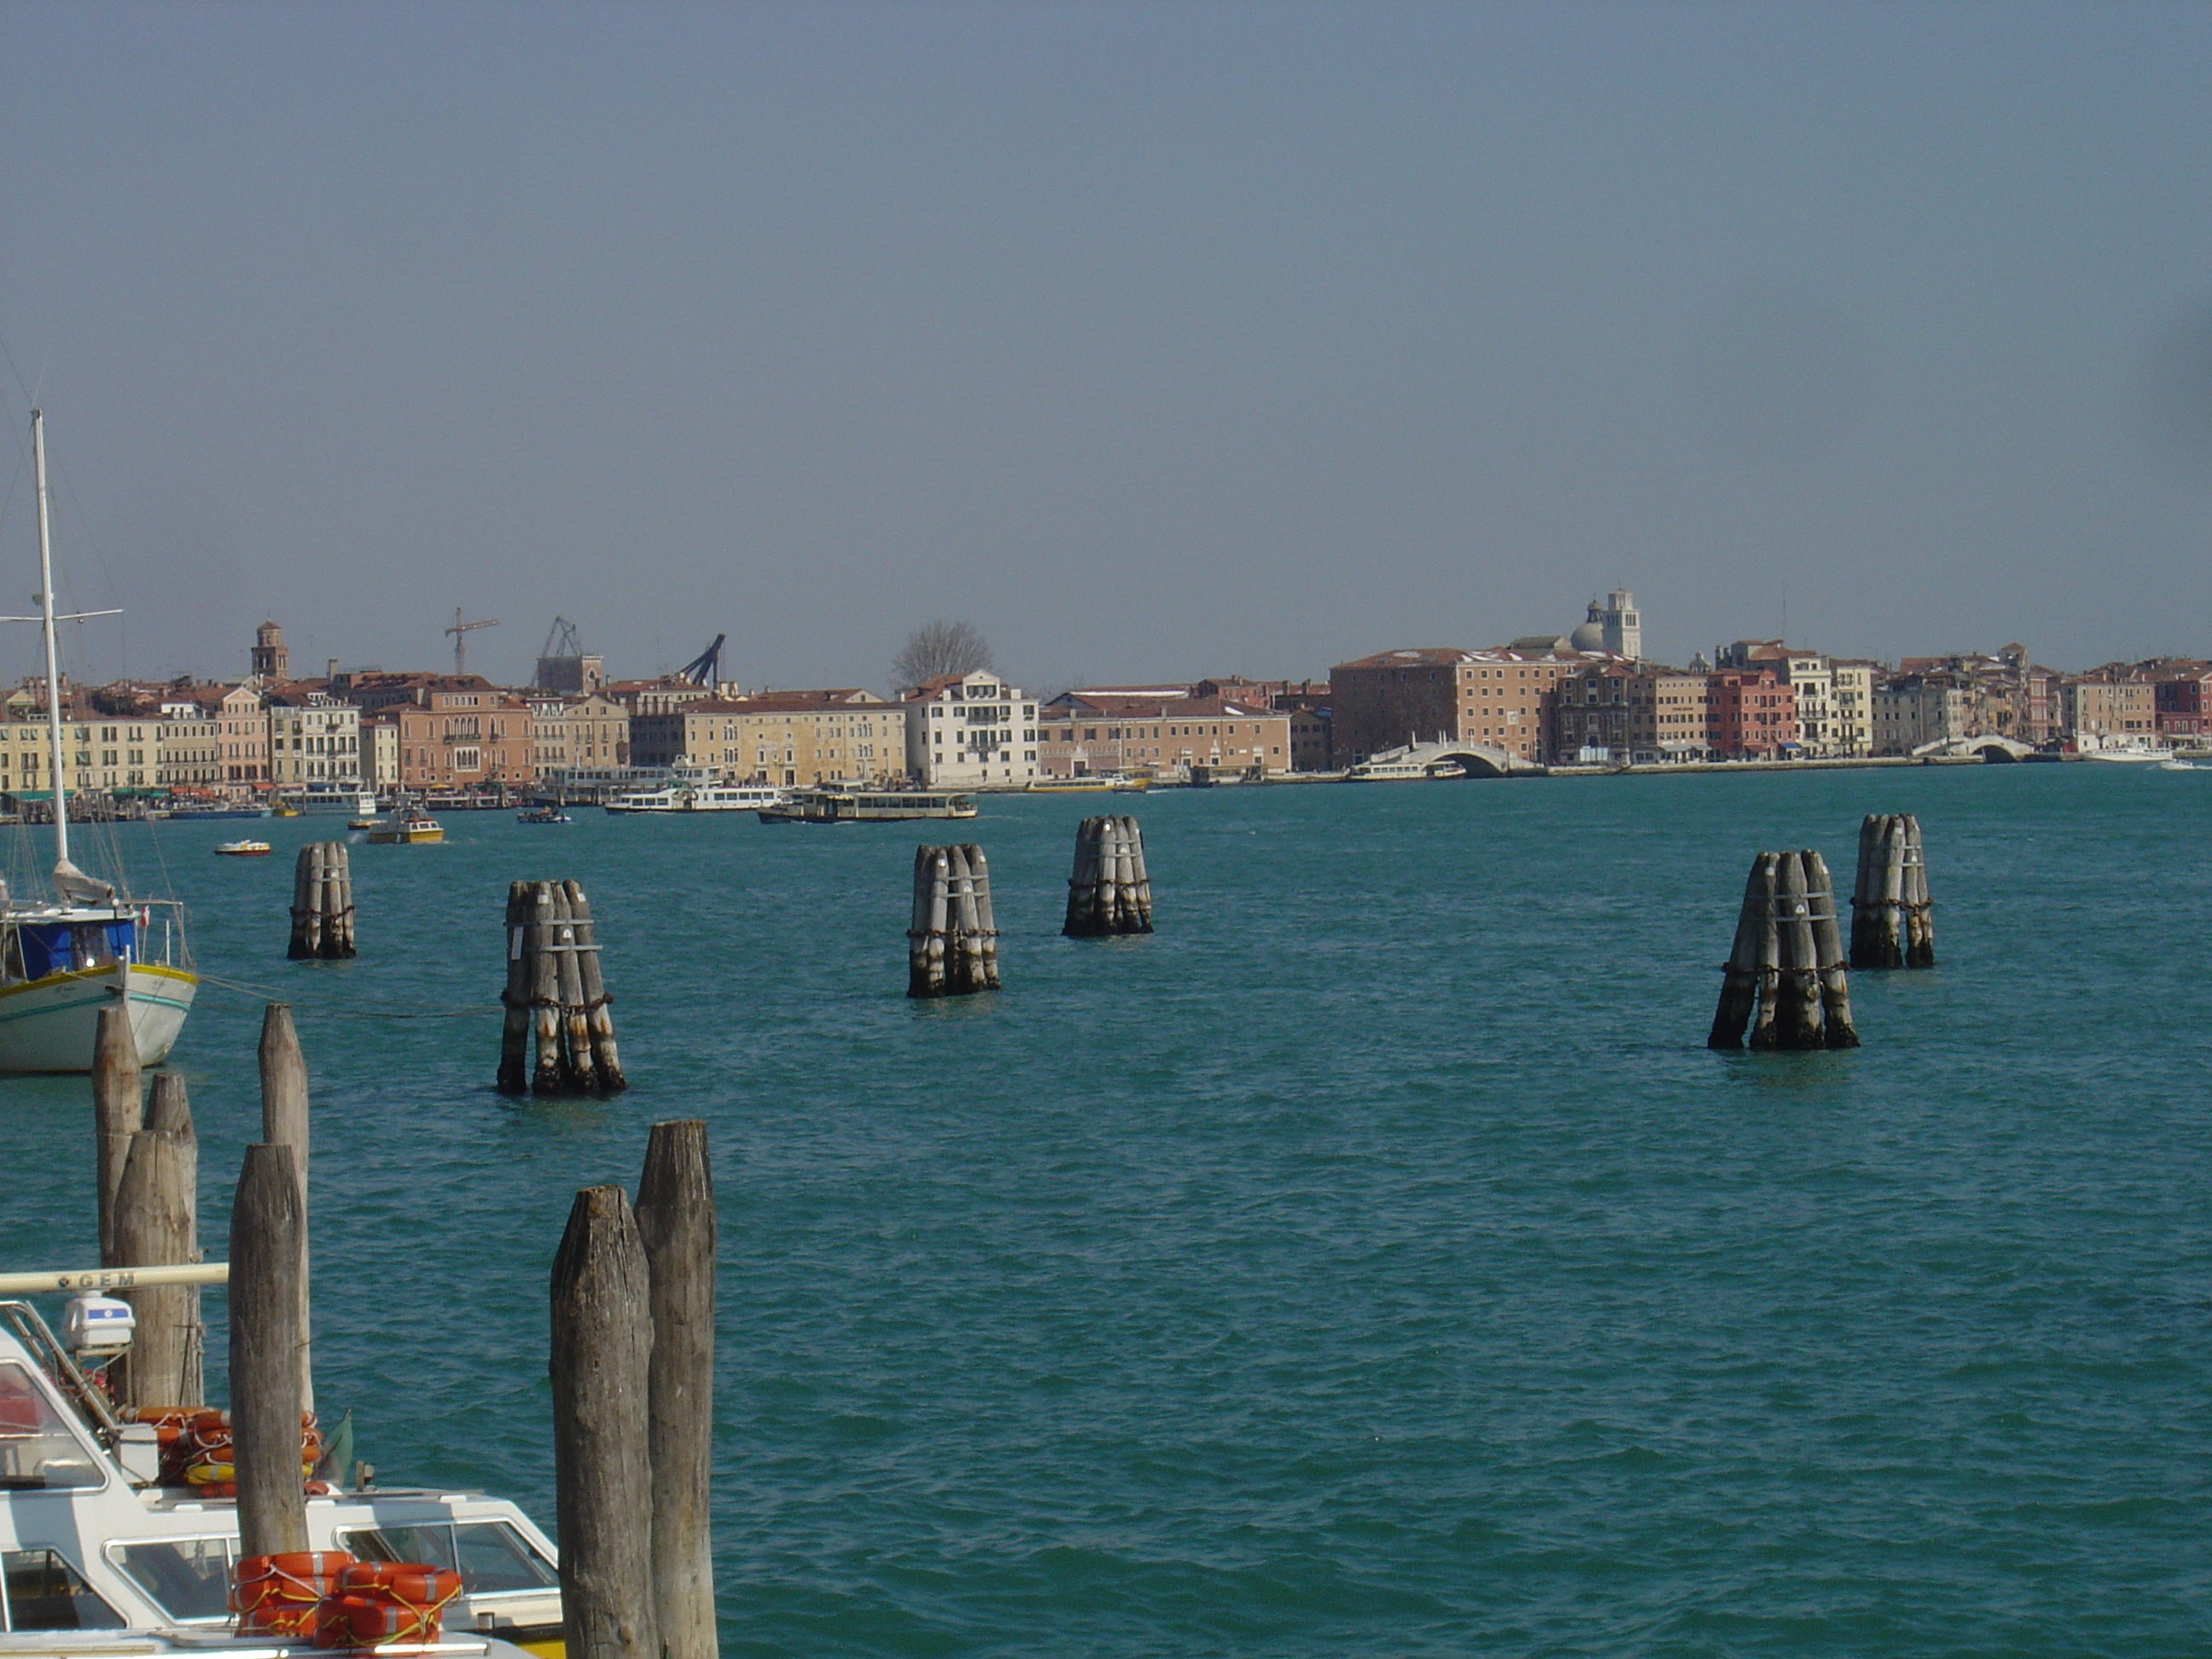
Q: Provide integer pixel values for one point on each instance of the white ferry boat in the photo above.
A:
(323, 798)
(868, 806)
(91, 1541)
(697, 789)
(63, 960)
(1381, 770)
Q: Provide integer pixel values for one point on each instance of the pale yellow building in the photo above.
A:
(788, 738)
(569, 734)
(102, 753)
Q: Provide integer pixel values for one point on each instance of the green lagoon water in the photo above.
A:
(1371, 1262)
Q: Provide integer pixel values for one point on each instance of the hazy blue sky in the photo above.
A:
(1155, 340)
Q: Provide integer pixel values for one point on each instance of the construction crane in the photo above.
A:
(460, 630)
(706, 668)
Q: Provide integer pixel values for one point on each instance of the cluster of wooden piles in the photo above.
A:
(322, 902)
(149, 1199)
(1108, 890)
(633, 1376)
(1893, 918)
(558, 1030)
(952, 943)
(1785, 977)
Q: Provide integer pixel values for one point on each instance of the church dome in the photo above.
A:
(1590, 636)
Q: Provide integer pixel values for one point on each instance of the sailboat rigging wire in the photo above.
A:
(393, 1011)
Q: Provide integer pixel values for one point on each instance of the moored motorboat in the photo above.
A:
(104, 1526)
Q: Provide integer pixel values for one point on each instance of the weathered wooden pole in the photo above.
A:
(550, 1075)
(306, 902)
(582, 1076)
(1797, 1018)
(115, 1113)
(987, 927)
(336, 901)
(1739, 987)
(1085, 876)
(268, 1237)
(169, 1109)
(1837, 1030)
(284, 1123)
(514, 1025)
(154, 1228)
(1919, 909)
(602, 1356)
(606, 1060)
(1139, 892)
(925, 938)
(1865, 885)
(676, 1222)
(1767, 948)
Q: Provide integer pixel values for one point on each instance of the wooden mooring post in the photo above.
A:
(267, 1239)
(953, 942)
(284, 1123)
(115, 1114)
(676, 1220)
(322, 902)
(602, 1355)
(1893, 918)
(1785, 976)
(1108, 890)
(157, 1225)
(558, 1031)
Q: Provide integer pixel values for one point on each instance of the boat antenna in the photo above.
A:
(72, 883)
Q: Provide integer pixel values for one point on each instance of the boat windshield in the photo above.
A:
(37, 1449)
(34, 950)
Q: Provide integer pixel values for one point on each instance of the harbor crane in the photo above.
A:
(706, 668)
(461, 631)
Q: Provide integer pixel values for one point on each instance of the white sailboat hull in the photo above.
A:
(49, 1025)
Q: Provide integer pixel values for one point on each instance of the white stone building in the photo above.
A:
(968, 730)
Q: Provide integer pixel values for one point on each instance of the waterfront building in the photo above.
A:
(2181, 696)
(658, 696)
(1501, 697)
(1850, 705)
(1638, 714)
(1085, 733)
(1913, 710)
(188, 746)
(969, 730)
(314, 738)
(570, 734)
(371, 690)
(111, 754)
(2107, 706)
(462, 738)
(787, 739)
(241, 731)
(1812, 683)
(380, 752)
(1750, 715)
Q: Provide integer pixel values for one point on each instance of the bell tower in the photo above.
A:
(271, 660)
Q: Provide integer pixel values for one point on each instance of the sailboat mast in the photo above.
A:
(46, 625)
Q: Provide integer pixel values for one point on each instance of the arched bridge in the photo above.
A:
(1987, 746)
(1476, 760)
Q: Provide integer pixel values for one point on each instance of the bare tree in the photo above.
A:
(940, 647)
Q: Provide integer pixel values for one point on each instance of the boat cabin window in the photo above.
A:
(36, 1448)
(37, 949)
(490, 1556)
(45, 1593)
(187, 1577)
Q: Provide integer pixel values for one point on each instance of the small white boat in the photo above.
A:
(2132, 751)
(242, 849)
(2172, 765)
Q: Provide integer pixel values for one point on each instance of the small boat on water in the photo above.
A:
(1094, 783)
(408, 826)
(197, 811)
(113, 1522)
(2180, 766)
(2127, 749)
(242, 849)
(323, 800)
(867, 806)
(544, 815)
